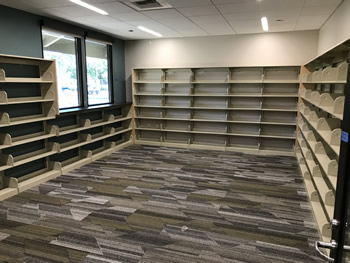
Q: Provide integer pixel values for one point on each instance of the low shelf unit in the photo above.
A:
(37, 144)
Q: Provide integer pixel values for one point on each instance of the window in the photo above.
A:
(97, 70)
(63, 48)
(83, 68)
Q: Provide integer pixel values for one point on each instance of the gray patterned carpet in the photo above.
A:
(156, 204)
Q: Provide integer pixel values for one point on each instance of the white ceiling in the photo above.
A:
(188, 18)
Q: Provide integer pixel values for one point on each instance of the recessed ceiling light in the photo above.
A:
(88, 6)
(264, 23)
(149, 31)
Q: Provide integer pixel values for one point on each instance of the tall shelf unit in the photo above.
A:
(321, 106)
(36, 144)
(28, 99)
(250, 109)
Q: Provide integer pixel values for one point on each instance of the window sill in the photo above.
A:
(95, 107)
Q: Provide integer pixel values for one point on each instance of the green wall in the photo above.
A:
(119, 71)
(20, 35)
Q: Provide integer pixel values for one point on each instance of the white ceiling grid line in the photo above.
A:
(187, 18)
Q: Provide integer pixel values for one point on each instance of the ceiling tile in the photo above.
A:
(50, 13)
(164, 14)
(322, 2)
(93, 2)
(247, 26)
(100, 19)
(188, 3)
(289, 16)
(74, 11)
(151, 24)
(129, 16)
(230, 1)
(49, 3)
(192, 33)
(281, 26)
(115, 8)
(243, 16)
(214, 25)
(242, 7)
(20, 4)
(318, 10)
(311, 22)
(199, 10)
(268, 5)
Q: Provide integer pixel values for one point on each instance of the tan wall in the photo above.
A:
(336, 30)
(269, 49)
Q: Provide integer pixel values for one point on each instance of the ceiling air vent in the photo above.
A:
(145, 5)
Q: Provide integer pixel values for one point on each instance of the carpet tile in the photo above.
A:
(164, 205)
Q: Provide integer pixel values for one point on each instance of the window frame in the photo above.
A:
(81, 64)
(110, 71)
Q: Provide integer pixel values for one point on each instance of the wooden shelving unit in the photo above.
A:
(321, 105)
(89, 135)
(28, 99)
(36, 144)
(244, 109)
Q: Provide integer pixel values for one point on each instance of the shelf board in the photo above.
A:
(325, 135)
(45, 176)
(277, 136)
(118, 119)
(219, 82)
(246, 81)
(265, 122)
(75, 128)
(105, 136)
(26, 100)
(319, 214)
(27, 139)
(26, 158)
(238, 95)
(209, 82)
(280, 109)
(324, 82)
(242, 134)
(148, 82)
(25, 80)
(280, 95)
(266, 151)
(326, 109)
(72, 145)
(216, 133)
(216, 108)
(287, 81)
(176, 81)
(320, 184)
(278, 123)
(74, 163)
(27, 119)
(7, 193)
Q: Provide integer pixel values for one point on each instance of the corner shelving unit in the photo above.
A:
(36, 144)
(246, 109)
(321, 105)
